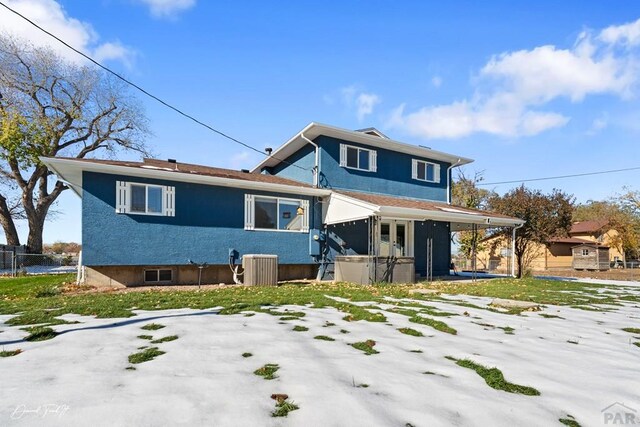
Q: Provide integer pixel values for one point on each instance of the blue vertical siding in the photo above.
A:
(208, 222)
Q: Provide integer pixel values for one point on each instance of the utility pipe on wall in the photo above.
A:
(449, 179)
(316, 167)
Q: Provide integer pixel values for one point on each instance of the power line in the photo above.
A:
(150, 95)
(560, 176)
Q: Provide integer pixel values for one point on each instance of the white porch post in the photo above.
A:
(513, 252)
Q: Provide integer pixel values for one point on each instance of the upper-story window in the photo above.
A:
(585, 252)
(145, 199)
(358, 158)
(425, 171)
(276, 214)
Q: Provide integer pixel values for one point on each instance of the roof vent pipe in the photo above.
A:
(268, 150)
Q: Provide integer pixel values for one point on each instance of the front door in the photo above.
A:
(395, 239)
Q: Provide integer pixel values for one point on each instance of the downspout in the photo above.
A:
(513, 250)
(316, 167)
(449, 180)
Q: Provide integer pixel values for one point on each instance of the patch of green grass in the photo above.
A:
(268, 371)
(299, 328)
(494, 378)
(435, 324)
(569, 421)
(249, 314)
(283, 408)
(362, 386)
(165, 339)
(31, 286)
(328, 324)
(412, 332)
(145, 337)
(323, 338)
(152, 327)
(507, 329)
(366, 347)
(130, 368)
(344, 331)
(145, 355)
(10, 353)
(550, 316)
(416, 351)
(247, 354)
(637, 343)
(40, 333)
(572, 342)
(288, 314)
(632, 330)
(289, 318)
(48, 292)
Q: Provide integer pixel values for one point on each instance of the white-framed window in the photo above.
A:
(358, 158)
(585, 252)
(145, 199)
(425, 171)
(158, 275)
(276, 214)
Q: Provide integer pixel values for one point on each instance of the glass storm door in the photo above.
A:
(385, 239)
(394, 239)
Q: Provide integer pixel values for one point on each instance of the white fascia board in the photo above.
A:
(70, 171)
(420, 214)
(313, 130)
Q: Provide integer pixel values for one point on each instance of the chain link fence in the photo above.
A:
(21, 264)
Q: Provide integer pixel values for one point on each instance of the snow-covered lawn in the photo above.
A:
(581, 362)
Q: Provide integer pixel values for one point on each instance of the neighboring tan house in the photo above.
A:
(327, 198)
(557, 253)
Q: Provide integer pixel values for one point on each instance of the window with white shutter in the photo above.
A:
(425, 171)
(276, 214)
(358, 158)
(145, 199)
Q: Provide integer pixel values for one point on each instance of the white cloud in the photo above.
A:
(599, 124)
(167, 8)
(627, 34)
(513, 86)
(362, 102)
(51, 16)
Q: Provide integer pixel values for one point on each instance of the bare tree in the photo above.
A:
(54, 108)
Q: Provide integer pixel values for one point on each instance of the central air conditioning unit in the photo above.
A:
(260, 269)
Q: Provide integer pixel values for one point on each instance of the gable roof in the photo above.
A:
(70, 170)
(591, 226)
(568, 240)
(366, 204)
(313, 130)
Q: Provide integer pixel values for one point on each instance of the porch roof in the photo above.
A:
(346, 206)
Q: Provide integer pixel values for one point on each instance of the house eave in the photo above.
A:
(313, 130)
(70, 171)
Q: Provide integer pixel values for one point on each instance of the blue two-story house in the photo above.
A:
(330, 203)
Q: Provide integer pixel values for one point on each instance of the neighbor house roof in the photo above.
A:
(568, 240)
(370, 136)
(591, 226)
(349, 205)
(71, 169)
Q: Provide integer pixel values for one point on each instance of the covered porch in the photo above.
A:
(373, 238)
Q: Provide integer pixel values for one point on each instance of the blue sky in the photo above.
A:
(527, 89)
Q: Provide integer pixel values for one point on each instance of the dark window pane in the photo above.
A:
(421, 171)
(151, 275)
(364, 159)
(266, 213)
(165, 275)
(154, 202)
(138, 198)
(352, 157)
(288, 214)
(430, 172)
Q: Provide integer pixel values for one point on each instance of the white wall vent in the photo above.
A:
(260, 269)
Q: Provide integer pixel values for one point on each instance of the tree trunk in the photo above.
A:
(36, 227)
(9, 227)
